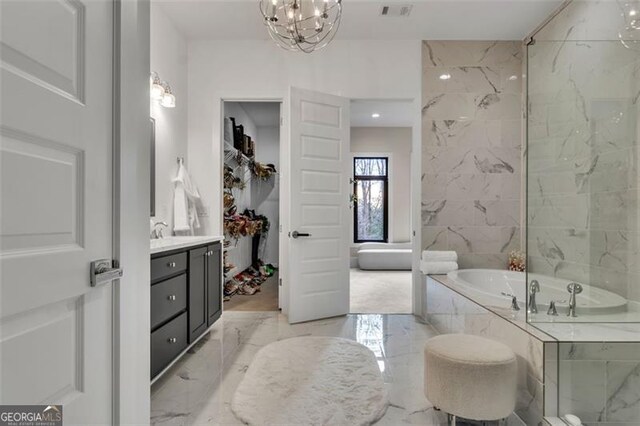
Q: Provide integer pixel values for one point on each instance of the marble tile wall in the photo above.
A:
(600, 382)
(583, 216)
(471, 149)
(450, 312)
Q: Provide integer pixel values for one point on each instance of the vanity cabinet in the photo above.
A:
(204, 289)
(185, 300)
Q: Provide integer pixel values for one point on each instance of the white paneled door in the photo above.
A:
(56, 205)
(319, 206)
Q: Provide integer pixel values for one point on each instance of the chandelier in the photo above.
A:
(304, 25)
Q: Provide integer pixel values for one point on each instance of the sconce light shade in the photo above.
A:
(157, 91)
(168, 100)
(161, 91)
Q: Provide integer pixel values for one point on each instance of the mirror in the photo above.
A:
(152, 151)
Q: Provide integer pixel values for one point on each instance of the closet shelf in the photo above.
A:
(231, 152)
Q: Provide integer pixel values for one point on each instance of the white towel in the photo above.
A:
(185, 198)
(439, 256)
(438, 267)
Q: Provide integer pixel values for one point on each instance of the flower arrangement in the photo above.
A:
(517, 261)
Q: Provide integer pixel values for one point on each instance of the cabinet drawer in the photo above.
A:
(167, 299)
(168, 265)
(167, 342)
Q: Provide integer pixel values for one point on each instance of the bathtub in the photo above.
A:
(486, 285)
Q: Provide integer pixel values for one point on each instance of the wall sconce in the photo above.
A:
(168, 99)
(161, 91)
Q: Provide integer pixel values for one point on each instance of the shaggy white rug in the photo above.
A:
(311, 381)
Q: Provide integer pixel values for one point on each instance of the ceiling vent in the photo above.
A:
(397, 11)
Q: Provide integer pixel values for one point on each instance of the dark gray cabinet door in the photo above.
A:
(197, 292)
(214, 283)
(167, 342)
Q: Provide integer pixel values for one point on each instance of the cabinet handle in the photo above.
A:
(172, 340)
(171, 297)
(171, 264)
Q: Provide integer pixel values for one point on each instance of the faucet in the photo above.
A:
(534, 288)
(553, 311)
(514, 301)
(574, 289)
(156, 233)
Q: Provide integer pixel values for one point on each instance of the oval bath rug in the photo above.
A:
(311, 381)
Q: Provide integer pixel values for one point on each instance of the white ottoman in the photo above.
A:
(470, 377)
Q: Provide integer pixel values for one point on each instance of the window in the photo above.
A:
(370, 186)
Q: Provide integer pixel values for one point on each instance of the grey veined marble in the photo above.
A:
(583, 177)
(472, 150)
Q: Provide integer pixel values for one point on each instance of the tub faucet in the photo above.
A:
(574, 289)
(534, 288)
(514, 301)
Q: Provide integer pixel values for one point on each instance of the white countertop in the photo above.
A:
(172, 243)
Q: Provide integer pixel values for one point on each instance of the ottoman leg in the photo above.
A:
(451, 420)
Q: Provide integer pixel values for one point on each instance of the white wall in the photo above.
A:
(169, 60)
(259, 69)
(395, 141)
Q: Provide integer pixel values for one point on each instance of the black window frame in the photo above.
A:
(385, 209)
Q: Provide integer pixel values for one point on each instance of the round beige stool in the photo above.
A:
(470, 377)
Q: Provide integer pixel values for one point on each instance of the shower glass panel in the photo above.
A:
(583, 222)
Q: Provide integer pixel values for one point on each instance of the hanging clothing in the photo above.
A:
(185, 199)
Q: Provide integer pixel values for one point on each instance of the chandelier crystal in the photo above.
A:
(302, 25)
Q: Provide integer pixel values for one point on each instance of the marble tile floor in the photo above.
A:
(198, 390)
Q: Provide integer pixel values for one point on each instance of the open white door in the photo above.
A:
(319, 206)
(56, 205)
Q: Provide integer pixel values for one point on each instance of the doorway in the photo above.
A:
(381, 248)
(251, 205)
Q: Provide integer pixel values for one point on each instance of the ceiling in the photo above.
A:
(429, 20)
(263, 114)
(392, 113)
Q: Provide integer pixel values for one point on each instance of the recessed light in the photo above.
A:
(375, 115)
(513, 77)
(633, 12)
(445, 76)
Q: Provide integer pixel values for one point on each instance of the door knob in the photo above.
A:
(296, 234)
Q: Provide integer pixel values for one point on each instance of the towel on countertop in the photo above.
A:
(185, 197)
(439, 256)
(438, 267)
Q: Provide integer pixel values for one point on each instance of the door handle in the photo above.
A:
(103, 271)
(296, 234)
